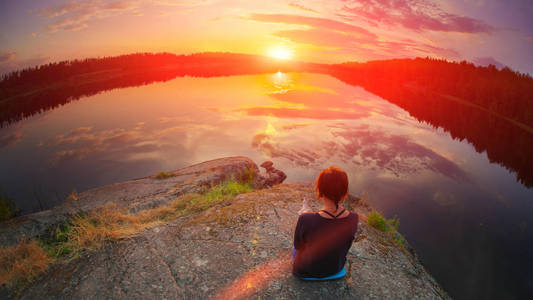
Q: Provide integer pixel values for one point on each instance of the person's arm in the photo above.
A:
(298, 234)
(305, 207)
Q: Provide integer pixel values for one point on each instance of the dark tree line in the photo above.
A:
(200, 64)
(31, 91)
(504, 92)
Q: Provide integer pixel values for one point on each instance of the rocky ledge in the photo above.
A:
(238, 250)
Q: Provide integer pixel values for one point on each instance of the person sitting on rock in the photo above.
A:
(322, 239)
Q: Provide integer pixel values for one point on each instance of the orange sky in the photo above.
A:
(483, 31)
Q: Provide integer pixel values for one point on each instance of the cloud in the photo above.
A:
(10, 139)
(184, 3)
(321, 105)
(310, 104)
(9, 62)
(301, 7)
(485, 61)
(304, 113)
(349, 39)
(83, 141)
(361, 146)
(292, 126)
(79, 130)
(416, 15)
(396, 153)
(137, 142)
(7, 56)
(314, 23)
(75, 15)
(33, 61)
(268, 146)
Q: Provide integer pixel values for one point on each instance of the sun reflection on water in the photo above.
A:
(281, 82)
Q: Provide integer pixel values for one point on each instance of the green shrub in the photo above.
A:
(218, 194)
(56, 245)
(377, 221)
(8, 209)
(390, 226)
(227, 190)
(249, 175)
(164, 175)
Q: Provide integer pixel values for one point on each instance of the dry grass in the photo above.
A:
(106, 223)
(22, 262)
(90, 231)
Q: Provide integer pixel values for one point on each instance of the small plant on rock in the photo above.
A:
(390, 226)
(164, 175)
(8, 209)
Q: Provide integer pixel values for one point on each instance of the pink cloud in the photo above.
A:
(313, 22)
(271, 148)
(317, 100)
(317, 114)
(9, 62)
(373, 48)
(10, 139)
(350, 39)
(7, 56)
(364, 147)
(323, 37)
(76, 15)
(302, 7)
(292, 126)
(396, 153)
(413, 14)
(485, 61)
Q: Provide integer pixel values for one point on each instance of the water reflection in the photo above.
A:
(506, 144)
(282, 82)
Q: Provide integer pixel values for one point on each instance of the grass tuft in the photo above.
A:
(249, 175)
(390, 226)
(56, 245)
(8, 209)
(164, 175)
(22, 262)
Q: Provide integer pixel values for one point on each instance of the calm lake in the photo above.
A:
(467, 215)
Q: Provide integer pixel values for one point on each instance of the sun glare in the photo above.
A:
(280, 53)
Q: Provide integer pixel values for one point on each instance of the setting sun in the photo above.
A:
(280, 53)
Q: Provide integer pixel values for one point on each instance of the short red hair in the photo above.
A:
(332, 183)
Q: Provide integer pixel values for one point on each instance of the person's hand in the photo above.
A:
(305, 207)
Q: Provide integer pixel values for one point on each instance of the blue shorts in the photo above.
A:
(338, 275)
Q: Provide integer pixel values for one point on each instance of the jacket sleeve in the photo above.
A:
(299, 234)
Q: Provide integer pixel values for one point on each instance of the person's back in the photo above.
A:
(322, 244)
(322, 239)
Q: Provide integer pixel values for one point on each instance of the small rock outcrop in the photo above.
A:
(272, 176)
(136, 195)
